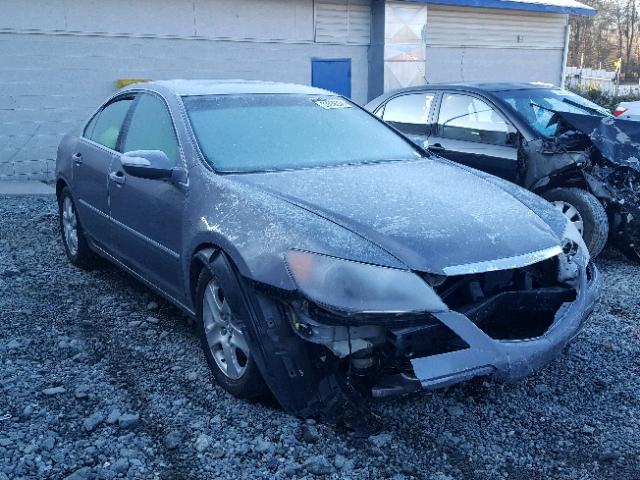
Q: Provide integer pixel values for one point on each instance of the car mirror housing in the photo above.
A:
(151, 164)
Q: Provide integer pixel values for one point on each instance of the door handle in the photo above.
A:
(437, 147)
(118, 177)
(77, 158)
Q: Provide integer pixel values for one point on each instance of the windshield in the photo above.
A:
(265, 132)
(538, 105)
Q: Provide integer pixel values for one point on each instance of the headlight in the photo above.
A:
(354, 287)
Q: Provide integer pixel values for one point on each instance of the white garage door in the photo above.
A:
(482, 44)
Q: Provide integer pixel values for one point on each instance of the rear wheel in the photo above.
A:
(73, 238)
(585, 212)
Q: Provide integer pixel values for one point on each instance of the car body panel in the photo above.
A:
(631, 110)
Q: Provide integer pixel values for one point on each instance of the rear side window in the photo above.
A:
(463, 117)
(105, 127)
(151, 128)
(409, 113)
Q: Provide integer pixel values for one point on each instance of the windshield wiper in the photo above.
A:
(595, 111)
(531, 102)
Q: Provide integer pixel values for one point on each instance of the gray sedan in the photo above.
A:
(325, 257)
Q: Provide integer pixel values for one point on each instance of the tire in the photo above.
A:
(73, 238)
(589, 210)
(240, 376)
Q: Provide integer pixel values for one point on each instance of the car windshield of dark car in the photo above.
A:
(266, 132)
(538, 105)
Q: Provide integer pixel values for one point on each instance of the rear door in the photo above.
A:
(91, 163)
(409, 113)
(148, 213)
(471, 132)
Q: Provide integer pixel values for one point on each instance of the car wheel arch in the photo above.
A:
(203, 256)
(61, 183)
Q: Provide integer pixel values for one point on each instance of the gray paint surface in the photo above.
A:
(58, 61)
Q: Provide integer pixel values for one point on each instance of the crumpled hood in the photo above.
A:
(430, 214)
(617, 140)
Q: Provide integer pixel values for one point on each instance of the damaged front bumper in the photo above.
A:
(507, 360)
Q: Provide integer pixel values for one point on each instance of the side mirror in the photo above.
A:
(151, 164)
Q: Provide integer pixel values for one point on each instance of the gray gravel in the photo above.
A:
(100, 378)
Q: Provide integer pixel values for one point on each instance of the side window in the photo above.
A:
(151, 128)
(108, 122)
(88, 130)
(409, 113)
(463, 117)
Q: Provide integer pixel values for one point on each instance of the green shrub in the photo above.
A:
(606, 100)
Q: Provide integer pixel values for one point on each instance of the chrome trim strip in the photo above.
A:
(150, 241)
(503, 263)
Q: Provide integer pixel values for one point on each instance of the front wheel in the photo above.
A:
(585, 212)
(224, 342)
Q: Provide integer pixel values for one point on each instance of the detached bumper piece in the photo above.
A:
(510, 335)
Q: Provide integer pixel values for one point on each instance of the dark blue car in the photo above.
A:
(325, 257)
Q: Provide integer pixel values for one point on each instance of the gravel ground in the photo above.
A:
(100, 378)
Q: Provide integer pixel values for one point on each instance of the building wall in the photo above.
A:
(60, 60)
(483, 44)
(436, 43)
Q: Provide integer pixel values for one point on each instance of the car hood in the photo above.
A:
(431, 215)
(618, 140)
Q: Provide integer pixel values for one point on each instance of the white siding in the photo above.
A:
(494, 28)
(340, 21)
(59, 60)
(482, 44)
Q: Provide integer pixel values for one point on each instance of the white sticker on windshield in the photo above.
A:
(333, 103)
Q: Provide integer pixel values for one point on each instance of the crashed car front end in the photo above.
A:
(397, 331)
(605, 153)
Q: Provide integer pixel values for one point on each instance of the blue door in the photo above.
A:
(332, 74)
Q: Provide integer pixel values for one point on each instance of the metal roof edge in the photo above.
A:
(575, 8)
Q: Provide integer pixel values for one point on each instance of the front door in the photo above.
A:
(471, 132)
(92, 160)
(148, 213)
(332, 74)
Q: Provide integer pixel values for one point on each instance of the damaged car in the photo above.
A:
(553, 142)
(324, 256)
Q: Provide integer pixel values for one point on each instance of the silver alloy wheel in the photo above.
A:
(70, 226)
(572, 214)
(226, 340)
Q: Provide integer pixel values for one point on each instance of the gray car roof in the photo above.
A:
(227, 87)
